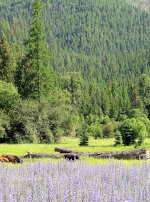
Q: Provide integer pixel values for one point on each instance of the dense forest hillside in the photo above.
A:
(72, 68)
(144, 4)
(99, 38)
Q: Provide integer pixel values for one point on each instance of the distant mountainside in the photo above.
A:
(102, 39)
(144, 4)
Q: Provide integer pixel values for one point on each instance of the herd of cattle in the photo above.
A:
(10, 158)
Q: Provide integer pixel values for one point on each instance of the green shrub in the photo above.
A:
(23, 123)
(8, 95)
(132, 131)
(35, 122)
(95, 130)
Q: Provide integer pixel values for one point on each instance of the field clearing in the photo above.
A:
(72, 143)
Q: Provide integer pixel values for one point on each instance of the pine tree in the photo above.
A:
(7, 61)
(118, 138)
(105, 102)
(84, 135)
(124, 100)
(33, 65)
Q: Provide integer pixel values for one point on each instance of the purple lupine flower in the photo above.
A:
(75, 181)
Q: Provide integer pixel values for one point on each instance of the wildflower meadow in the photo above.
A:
(74, 182)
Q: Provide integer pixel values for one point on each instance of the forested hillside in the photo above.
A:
(111, 33)
(94, 73)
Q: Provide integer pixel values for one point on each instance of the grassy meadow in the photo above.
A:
(88, 179)
(72, 143)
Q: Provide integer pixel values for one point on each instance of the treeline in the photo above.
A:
(93, 79)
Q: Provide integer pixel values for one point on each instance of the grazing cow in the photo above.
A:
(3, 159)
(70, 156)
(12, 158)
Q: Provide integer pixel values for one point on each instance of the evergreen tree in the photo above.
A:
(105, 102)
(124, 100)
(33, 64)
(128, 131)
(73, 82)
(135, 99)
(118, 138)
(83, 134)
(144, 91)
(132, 131)
(7, 61)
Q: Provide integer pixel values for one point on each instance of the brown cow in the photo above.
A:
(12, 158)
(3, 159)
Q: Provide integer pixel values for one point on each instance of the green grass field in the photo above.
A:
(72, 143)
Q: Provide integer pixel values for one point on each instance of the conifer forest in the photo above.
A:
(74, 68)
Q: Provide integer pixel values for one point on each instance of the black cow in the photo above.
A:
(70, 156)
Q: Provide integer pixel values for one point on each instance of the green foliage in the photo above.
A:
(8, 95)
(139, 115)
(92, 119)
(108, 130)
(144, 4)
(133, 130)
(95, 130)
(118, 138)
(124, 102)
(105, 119)
(129, 131)
(45, 121)
(142, 132)
(87, 37)
(4, 125)
(135, 113)
(60, 100)
(23, 119)
(84, 134)
(146, 122)
(30, 78)
(105, 103)
(72, 83)
(7, 61)
(31, 121)
(122, 117)
(144, 91)
(95, 59)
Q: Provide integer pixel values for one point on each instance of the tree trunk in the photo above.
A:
(41, 155)
(45, 155)
(64, 150)
(126, 154)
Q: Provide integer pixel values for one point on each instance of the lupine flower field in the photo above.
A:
(75, 181)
